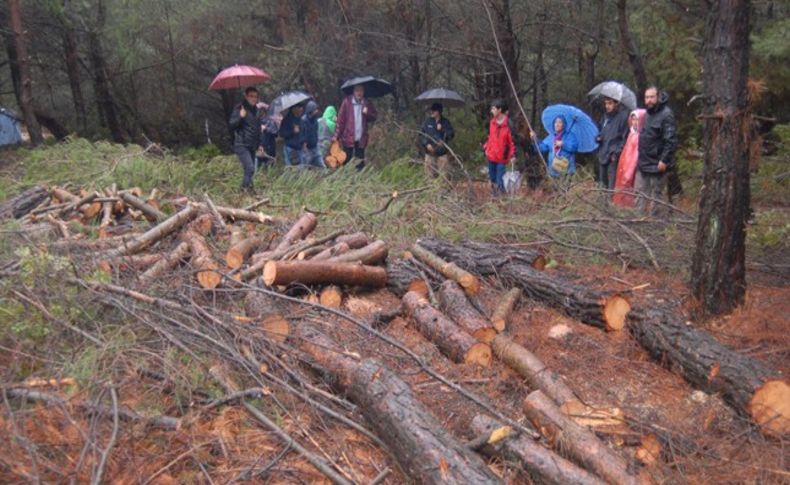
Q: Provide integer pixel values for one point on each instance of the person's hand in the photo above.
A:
(662, 167)
(533, 135)
(333, 139)
(513, 160)
(260, 152)
(558, 143)
(365, 110)
(296, 128)
(439, 126)
(243, 112)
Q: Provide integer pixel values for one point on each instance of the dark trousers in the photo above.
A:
(496, 173)
(355, 152)
(607, 174)
(247, 158)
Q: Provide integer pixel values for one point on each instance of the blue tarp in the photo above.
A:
(9, 128)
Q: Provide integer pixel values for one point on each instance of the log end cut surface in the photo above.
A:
(615, 311)
(770, 407)
(479, 354)
(276, 327)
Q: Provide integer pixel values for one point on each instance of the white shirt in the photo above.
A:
(358, 104)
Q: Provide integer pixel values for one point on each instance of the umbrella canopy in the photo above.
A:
(287, 100)
(374, 87)
(447, 97)
(578, 123)
(615, 90)
(238, 76)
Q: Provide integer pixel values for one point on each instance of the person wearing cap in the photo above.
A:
(613, 131)
(355, 113)
(312, 153)
(436, 131)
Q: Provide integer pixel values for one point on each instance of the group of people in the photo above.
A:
(307, 133)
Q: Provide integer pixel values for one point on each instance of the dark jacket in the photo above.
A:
(310, 124)
(247, 130)
(430, 135)
(500, 146)
(293, 138)
(344, 131)
(658, 138)
(612, 136)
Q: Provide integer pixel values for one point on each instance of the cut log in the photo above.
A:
(276, 327)
(332, 251)
(150, 213)
(505, 307)
(106, 215)
(484, 259)
(420, 444)
(304, 226)
(166, 264)
(87, 205)
(239, 252)
(171, 224)
(136, 262)
(451, 340)
(373, 253)
(62, 195)
(237, 235)
(402, 278)
(322, 272)
(19, 206)
(541, 464)
(202, 261)
(310, 252)
(331, 296)
(453, 302)
(232, 214)
(354, 241)
(577, 442)
(267, 311)
(468, 281)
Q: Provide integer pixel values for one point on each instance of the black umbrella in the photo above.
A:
(287, 100)
(374, 87)
(446, 97)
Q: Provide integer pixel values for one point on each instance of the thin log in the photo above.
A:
(173, 223)
(577, 442)
(355, 241)
(304, 226)
(137, 262)
(310, 252)
(485, 259)
(268, 313)
(331, 297)
(202, 260)
(453, 302)
(468, 281)
(232, 214)
(237, 235)
(218, 220)
(451, 340)
(332, 251)
(167, 263)
(373, 253)
(541, 464)
(504, 308)
(151, 214)
(322, 272)
(239, 252)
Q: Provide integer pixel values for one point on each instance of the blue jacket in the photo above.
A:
(291, 137)
(569, 146)
(310, 124)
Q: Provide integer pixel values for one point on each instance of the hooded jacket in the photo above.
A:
(294, 139)
(247, 130)
(658, 137)
(500, 146)
(344, 131)
(430, 134)
(613, 133)
(310, 124)
(569, 146)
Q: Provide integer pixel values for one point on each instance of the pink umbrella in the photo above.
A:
(238, 76)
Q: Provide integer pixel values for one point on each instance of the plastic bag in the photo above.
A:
(512, 180)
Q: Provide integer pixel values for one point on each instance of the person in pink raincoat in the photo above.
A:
(626, 167)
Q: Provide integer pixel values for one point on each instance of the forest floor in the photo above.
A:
(703, 440)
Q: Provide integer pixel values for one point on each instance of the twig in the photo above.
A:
(176, 460)
(381, 476)
(392, 197)
(60, 321)
(641, 241)
(97, 477)
(213, 208)
(252, 392)
(255, 205)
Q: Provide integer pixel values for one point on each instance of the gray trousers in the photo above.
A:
(650, 187)
(247, 159)
(607, 174)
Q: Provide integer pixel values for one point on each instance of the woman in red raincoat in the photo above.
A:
(626, 167)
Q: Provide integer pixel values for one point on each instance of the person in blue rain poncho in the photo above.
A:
(561, 146)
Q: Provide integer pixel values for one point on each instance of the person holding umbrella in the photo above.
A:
(435, 132)
(293, 134)
(355, 113)
(570, 130)
(246, 125)
(613, 132)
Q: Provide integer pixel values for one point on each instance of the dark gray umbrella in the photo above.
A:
(374, 87)
(447, 97)
(287, 100)
(615, 90)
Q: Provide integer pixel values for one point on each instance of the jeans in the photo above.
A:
(355, 152)
(247, 158)
(496, 171)
(312, 158)
(294, 157)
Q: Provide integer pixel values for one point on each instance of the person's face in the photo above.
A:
(651, 98)
(297, 110)
(634, 122)
(251, 97)
(610, 105)
(495, 111)
(558, 125)
(436, 114)
(359, 91)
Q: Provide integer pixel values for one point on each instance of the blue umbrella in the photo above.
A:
(579, 124)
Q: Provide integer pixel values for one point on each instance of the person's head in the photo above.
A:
(633, 121)
(559, 124)
(436, 110)
(610, 105)
(330, 113)
(359, 91)
(498, 107)
(651, 97)
(251, 95)
(298, 110)
(312, 108)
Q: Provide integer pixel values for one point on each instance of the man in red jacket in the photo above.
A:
(500, 147)
(355, 113)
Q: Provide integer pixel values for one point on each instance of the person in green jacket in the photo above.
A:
(326, 129)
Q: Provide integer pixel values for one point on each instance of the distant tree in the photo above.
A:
(25, 88)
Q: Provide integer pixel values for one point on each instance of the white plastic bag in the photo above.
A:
(512, 180)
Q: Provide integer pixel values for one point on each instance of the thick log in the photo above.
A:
(322, 272)
(541, 464)
(167, 263)
(504, 308)
(150, 213)
(239, 252)
(453, 302)
(267, 312)
(202, 260)
(423, 448)
(331, 297)
(355, 241)
(171, 224)
(373, 253)
(332, 251)
(402, 277)
(304, 226)
(484, 259)
(468, 281)
(19, 206)
(451, 340)
(577, 442)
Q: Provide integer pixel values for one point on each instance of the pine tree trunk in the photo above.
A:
(25, 93)
(629, 46)
(71, 58)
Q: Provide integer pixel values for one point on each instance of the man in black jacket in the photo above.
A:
(435, 132)
(657, 143)
(246, 128)
(614, 131)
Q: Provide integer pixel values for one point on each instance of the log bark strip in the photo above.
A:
(150, 212)
(173, 223)
(425, 451)
(468, 281)
(322, 272)
(505, 307)
(454, 304)
(578, 442)
(451, 340)
(373, 253)
(167, 263)
(237, 253)
(541, 464)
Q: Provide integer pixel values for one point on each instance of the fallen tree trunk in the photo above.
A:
(451, 340)
(238, 252)
(541, 464)
(373, 253)
(355, 241)
(468, 281)
(323, 272)
(167, 263)
(402, 278)
(505, 307)
(18, 207)
(453, 302)
(171, 224)
(578, 442)
(150, 213)
(202, 260)
(425, 451)
(484, 259)
(304, 226)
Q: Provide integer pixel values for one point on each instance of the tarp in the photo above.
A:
(9, 128)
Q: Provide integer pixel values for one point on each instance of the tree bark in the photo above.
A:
(630, 48)
(504, 308)
(718, 269)
(202, 260)
(304, 226)
(17, 207)
(331, 252)
(468, 281)
(402, 278)
(541, 464)
(373, 253)
(173, 223)
(71, 58)
(150, 213)
(25, 93)
(455, 305)
(322, 272)
(484, 259)
(239, 252)
(167, 263)
(425, 451)
(101, 82)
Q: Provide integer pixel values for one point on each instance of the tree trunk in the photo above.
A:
(453, 342)
(101, 83)
(425, 451)
(71, 58)
(25, 93)
(455, 305)
(485, 259)
(541, 464)
(718, 270)
(629, 46)
(322, 272)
